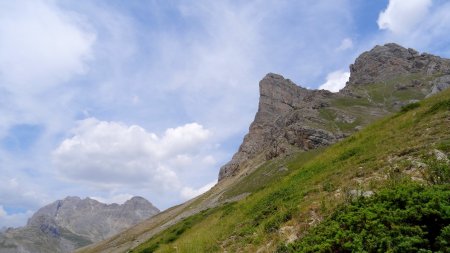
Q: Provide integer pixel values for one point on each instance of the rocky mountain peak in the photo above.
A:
(290, 117)
(72, 199)
(392, 60)
(74, 222)
(137, 199)
(138, 203)
(279, 97)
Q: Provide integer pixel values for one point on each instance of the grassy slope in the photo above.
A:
(287, 205)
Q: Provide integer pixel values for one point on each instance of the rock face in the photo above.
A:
(291, 117)
(386, 62)
(65, 225)
(277, 121)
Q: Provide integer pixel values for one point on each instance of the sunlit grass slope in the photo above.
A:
(291, 196)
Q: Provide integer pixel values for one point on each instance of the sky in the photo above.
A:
(109, 99)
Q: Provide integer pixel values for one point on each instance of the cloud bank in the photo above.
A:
(112, 154)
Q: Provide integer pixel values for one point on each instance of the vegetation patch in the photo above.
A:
(173, 233)
(406, 218)
(440, 106)
(270, 172)
(444, 145)
(347, 154)
(409, 107)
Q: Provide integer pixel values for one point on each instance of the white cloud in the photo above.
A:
(112, 153)
(13, 220)
(118, 199)
(40, 45)
(402, 16)
(188, 192)
(182, 139)
(335, 81)
(346, 43)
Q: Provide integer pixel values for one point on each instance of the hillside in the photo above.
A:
(396, 148)
(284, 180)
(67, 224)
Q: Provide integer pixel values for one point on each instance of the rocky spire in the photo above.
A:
(278, 98)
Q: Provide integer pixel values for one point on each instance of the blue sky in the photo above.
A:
(110, 99)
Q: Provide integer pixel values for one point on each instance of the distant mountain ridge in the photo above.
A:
(67, 224)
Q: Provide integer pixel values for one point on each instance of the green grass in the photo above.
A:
(314, 186)
(270, 172)
(348, 101)
(444, 145)
(386, 93)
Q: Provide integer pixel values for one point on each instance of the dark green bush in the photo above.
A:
(407, 218)
(442, 105)
(347, 154)
(409, 107)
(274, 223)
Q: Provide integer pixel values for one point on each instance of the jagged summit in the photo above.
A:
(74, 222)
(391, 60)
(290, 117)
(72, 207)
(136, 199)
(276, 118)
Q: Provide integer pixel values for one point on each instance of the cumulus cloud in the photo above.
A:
(401, 16)
(112, 153)
(335, 81)
(40, 45)
(189, 192)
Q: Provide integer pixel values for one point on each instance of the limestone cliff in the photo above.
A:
(291, 117)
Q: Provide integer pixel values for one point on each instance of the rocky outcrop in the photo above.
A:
(386, 62)
(284, 113)
(440, 84)
(65, 225)
(291, 117)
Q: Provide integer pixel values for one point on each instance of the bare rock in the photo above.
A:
(67, 224)
(290, 117)
(440, 84)
(283, 106)
(440, 156)
(391, 60)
